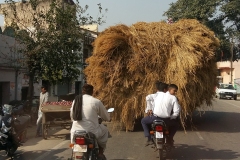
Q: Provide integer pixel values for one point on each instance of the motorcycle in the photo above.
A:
(85, 145)
(12, 129)
(160, 135)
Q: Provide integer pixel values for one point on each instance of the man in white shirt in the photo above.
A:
(84, 113)
(150, 103)
(147, 121)
(43, 100)
(164, 104)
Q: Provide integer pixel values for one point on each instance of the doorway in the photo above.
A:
(4, 92)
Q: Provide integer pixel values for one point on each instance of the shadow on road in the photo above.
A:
(52, 135)
(210, 121)
(35, 155)
(196, 152)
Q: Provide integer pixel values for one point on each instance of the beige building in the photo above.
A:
(225, 71)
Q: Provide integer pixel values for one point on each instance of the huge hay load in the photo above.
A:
(126, 62)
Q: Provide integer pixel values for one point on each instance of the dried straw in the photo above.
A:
(126, 62)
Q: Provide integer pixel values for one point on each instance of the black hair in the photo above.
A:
(162, 86)
(157, 84)
(173, 86)
(87, 89)
(44, 87)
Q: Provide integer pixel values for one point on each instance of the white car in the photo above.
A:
(226, 91)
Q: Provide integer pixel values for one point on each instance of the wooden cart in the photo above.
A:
(55, 116)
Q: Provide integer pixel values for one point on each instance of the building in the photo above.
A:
(224, 69)
(11, 71)
(25, 15)
(24, 12)
(14, 84)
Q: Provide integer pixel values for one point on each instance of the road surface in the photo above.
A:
(215, 136)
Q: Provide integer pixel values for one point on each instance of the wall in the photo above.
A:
(9, 76)
(224, 68)
(237, 69)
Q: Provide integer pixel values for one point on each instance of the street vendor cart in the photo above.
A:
(56, 114)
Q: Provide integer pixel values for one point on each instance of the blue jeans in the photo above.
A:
(39, 123)
(146, 122)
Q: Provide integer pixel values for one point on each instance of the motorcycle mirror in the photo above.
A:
(110, 110)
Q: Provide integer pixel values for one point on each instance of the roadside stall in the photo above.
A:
(56, 114)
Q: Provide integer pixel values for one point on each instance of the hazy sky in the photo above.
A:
(125, 11)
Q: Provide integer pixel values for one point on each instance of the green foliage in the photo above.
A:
(52, 43)
(208, 12)
(231, 12)
(194, 9)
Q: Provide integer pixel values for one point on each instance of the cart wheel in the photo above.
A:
(44, 131)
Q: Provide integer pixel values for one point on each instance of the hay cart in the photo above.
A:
(55, 116)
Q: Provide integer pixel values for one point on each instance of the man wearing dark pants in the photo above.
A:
(163, 104)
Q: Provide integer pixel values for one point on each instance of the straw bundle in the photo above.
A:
(126, 62)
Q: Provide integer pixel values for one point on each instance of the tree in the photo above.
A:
(206, 12)
(50, 34)
(231, 12)
(200, 10)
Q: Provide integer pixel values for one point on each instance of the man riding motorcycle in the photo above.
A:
(162, 104)
(84, 113)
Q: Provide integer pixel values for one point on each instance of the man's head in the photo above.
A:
(43, 89)
(157, 84)
(172, 88)
(87, 89)
(162, 87)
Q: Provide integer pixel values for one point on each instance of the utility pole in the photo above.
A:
(231, 60)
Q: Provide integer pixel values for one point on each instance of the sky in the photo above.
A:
(125, 11)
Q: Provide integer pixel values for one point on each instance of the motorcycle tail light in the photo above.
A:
(90, 146)
(80, 141)
(79, 157)
(151, 132)
(159, 128)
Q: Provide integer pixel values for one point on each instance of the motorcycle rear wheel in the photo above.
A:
(12, 150)
(161, 154)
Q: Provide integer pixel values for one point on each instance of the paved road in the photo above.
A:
(214, 137)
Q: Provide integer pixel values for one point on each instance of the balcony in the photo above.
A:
(222, 65)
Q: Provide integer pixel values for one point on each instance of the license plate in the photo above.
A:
(159, 134)
(78, 155)
(228, 96)
(80, 148)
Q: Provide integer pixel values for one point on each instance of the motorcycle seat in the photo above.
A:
(158, 122)
(84, 134)
(91, 135)
(80, 132)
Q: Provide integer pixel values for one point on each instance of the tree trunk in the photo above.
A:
(30, 91)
